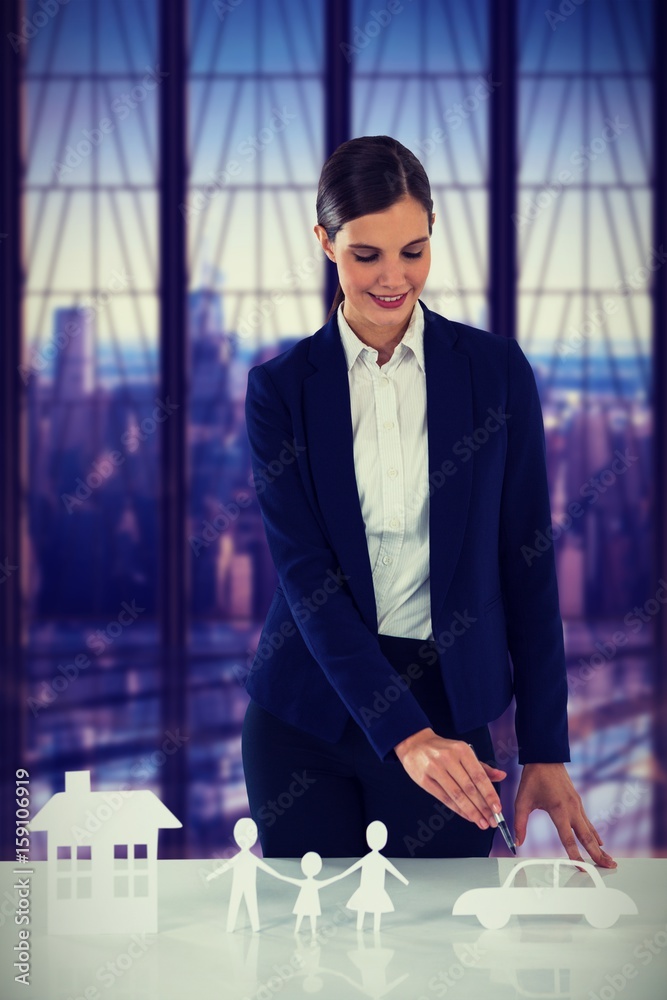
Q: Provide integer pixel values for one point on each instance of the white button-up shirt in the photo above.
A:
(388, 407)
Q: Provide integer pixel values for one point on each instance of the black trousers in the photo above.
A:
(306, 794)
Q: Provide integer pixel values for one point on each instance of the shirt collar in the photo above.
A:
(412, 338)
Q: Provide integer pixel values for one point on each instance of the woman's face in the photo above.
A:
(383, 254)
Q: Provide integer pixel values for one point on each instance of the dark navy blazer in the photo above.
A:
(319, 658)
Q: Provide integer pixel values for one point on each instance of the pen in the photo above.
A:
(505, 830)
(500, 820)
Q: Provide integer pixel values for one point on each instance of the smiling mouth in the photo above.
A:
(389, 298)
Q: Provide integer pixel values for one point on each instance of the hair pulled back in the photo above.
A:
(366, 175)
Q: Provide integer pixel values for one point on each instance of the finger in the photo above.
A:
(494, 773)
(563, 826)
(482, 780)
(431, 786)
(449, 792)
(521, 814)
(594, 831)
(439, 793)
(586, 834)
(585, 830)
(463, 790)
(483, 774)
(449, 776)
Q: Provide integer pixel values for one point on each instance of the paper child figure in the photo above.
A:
(244, 880)
(371, 896)
(308, 900)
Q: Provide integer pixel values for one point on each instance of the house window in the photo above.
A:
(74, 872)
(130, 862)
(84, 871)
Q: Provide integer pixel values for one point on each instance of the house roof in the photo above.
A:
(131, 813)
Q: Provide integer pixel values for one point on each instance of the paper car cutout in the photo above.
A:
(493, 906)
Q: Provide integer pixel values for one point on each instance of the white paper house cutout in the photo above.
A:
(102, 858)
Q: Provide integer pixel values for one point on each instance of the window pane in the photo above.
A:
(584, 225)
(90, 97)
(255, 151)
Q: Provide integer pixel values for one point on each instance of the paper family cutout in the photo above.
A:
(493, 906)
(370, 897)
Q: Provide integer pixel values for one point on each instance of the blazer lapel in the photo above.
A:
(328, 429)
(449, 417)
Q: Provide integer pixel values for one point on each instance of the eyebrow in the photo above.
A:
(367, 246)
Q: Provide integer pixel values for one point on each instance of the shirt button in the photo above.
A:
(394, 522)
(388, 424)
(386, 560)
(384, 380)
(392, 472)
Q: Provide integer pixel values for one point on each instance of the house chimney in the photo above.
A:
(77, 782)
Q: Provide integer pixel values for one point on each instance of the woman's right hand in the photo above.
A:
(450, 771)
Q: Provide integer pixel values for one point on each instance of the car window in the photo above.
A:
(554, 876)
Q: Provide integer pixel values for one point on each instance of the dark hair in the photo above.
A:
(365, 175)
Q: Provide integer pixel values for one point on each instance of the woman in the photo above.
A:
(399, 464)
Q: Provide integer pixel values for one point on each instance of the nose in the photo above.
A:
(393, 274)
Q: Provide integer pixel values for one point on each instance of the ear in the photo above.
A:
(325, 243)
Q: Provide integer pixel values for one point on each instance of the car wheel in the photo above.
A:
(495, 920)
(602, 918)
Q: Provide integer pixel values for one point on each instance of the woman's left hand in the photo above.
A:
(549, 787)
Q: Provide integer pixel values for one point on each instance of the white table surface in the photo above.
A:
(422, 951)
